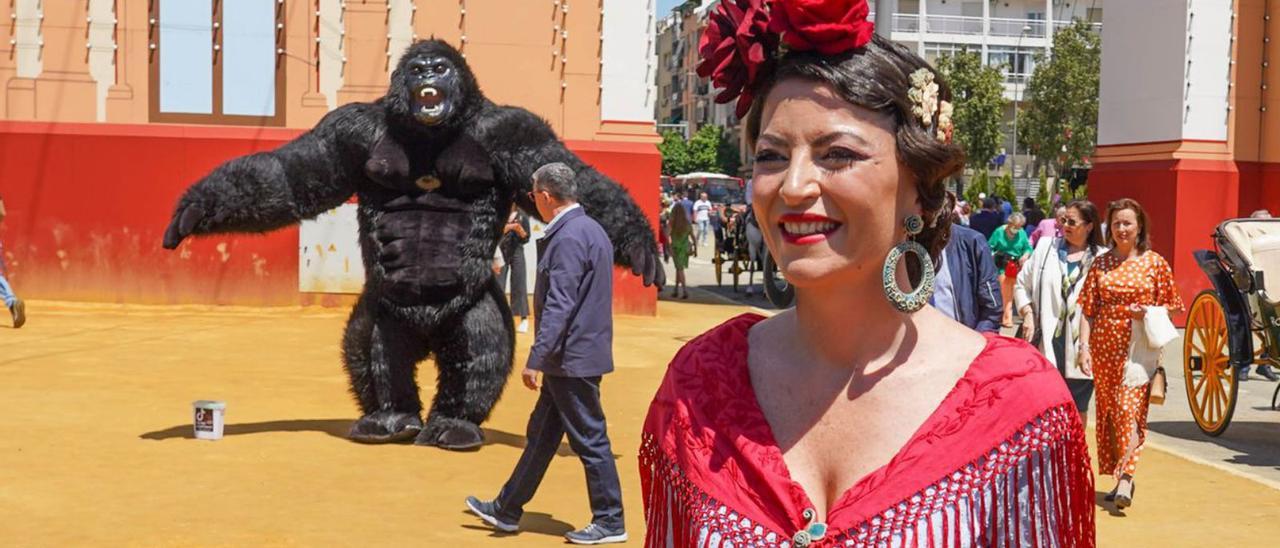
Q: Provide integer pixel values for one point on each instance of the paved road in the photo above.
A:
(1250, 447)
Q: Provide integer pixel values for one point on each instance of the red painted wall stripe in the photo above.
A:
(88, 203)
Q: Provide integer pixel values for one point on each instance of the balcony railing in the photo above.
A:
(905, 22)
(972, 26)
(1059, 25)
(1014, 27)
(953, 24)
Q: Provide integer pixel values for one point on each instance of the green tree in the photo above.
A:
(977, 186)
(727, 156)
(1059, 122)
(1044, 198)
(1004, 189)
(977, 92)
(675, 154)
(711, 150)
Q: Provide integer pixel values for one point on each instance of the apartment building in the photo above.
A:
(1006, 33)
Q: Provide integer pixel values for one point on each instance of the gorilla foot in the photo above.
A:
(452, 434)
(385, 427)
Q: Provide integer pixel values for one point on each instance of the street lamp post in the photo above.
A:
(1017, 98)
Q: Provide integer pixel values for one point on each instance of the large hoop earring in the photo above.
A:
(916, 299)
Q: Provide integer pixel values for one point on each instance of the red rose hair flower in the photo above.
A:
(829, 26)
(734, 47)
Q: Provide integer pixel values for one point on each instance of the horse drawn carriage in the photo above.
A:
(1236, 324)
(739, 252)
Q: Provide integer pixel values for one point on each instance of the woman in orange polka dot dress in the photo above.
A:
(1119, 287)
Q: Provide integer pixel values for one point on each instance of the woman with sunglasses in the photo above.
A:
(1047, 294)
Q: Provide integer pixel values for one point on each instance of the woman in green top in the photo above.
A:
(682, 242)
(1010, 246)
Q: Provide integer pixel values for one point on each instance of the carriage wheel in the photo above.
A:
(776, 288)
(1211, 381)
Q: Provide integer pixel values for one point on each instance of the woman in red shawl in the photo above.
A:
(862, 417)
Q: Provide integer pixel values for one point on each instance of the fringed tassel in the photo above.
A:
(656, 503)
(1034, 490)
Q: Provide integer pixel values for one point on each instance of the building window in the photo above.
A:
(217, 62)
(934, 50)
(1017, 64)
(909, 6)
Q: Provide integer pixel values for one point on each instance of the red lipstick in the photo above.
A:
(806, 228)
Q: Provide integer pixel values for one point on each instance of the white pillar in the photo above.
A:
(102, 47)
(884, 17)
(1048, 27)
(921, 27)
(1169, 82)
(986, 28)
(332, 56)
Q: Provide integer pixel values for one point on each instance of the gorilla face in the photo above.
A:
(435, 86)
(433, 91)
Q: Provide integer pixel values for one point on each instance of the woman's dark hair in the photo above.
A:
(1029, 203)
(681, 227)
(1144, 239)
(877, 77)
(1089, 214)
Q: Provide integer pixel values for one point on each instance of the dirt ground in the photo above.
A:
(96, 444)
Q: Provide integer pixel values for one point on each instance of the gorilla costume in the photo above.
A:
(436, 167)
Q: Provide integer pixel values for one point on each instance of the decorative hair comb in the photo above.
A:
(925, 104)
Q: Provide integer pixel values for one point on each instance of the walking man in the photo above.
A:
(572, 349)
(702, 217)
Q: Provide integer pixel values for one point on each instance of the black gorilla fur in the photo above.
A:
(436, 167)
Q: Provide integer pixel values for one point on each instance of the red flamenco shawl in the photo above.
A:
(1002, 461)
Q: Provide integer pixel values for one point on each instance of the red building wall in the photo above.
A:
(1184, 201)
(88, 204)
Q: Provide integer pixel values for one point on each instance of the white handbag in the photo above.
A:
(1159, 328)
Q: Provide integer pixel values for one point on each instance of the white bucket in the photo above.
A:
(208, 419)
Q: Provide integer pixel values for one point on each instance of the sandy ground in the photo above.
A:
(96, 445)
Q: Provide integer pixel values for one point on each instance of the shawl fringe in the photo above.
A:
(1033, 489)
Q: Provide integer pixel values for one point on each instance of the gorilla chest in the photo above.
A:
(425, 244)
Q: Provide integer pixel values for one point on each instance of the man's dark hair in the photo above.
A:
(557, 179)
(990, 203)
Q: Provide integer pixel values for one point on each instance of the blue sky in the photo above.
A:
(664, 6)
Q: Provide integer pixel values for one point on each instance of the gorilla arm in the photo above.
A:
(520, 143)
(268, 190)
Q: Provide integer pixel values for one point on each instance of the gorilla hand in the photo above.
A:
(183, 223)
(644, 263)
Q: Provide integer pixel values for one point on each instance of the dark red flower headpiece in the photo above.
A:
(829, 26)
(734, 47)
(742, 36)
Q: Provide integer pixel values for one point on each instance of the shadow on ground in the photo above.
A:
(532, 522)
(334, 427)
(1254, 442)
(1100, 501)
